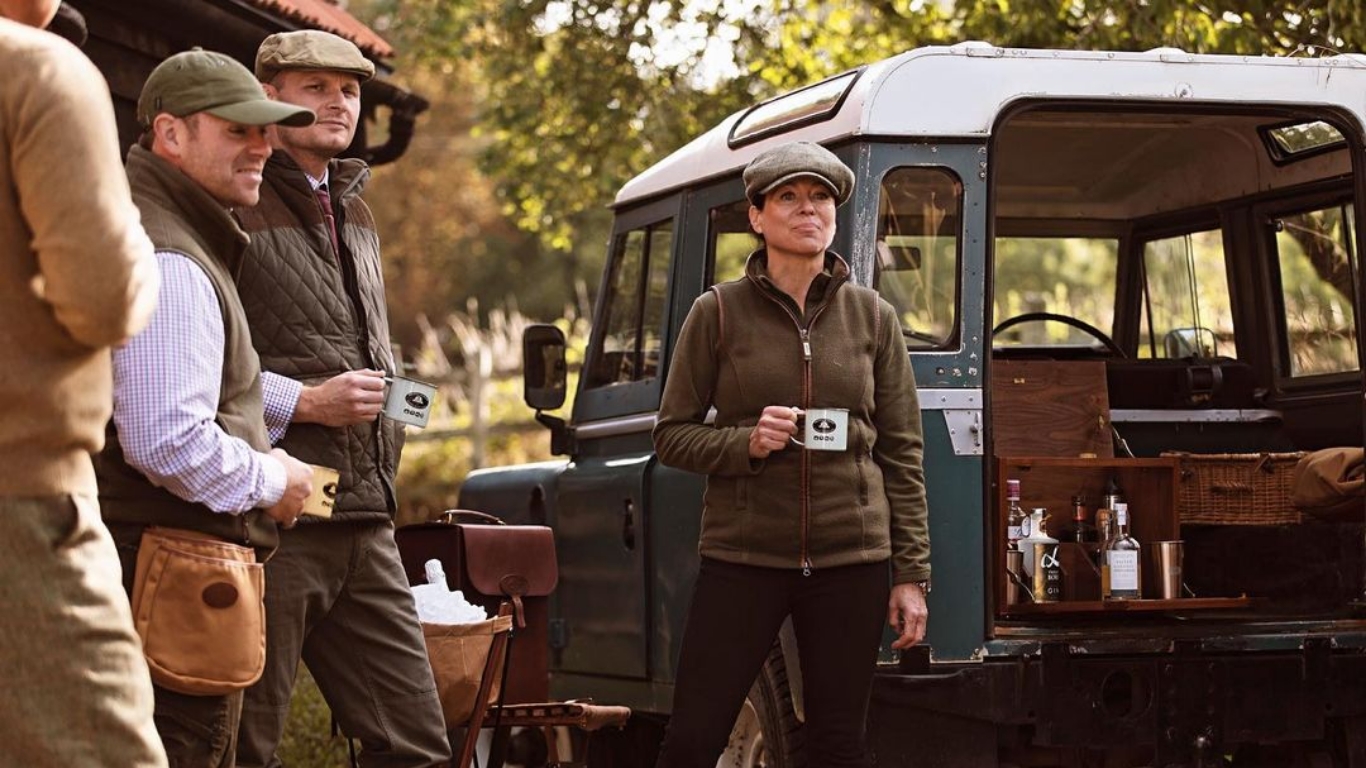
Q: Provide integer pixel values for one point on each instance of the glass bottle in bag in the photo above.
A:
(1121, 574)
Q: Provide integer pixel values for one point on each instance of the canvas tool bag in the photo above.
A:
(1328, 484)
(198, 606)
(491, 562)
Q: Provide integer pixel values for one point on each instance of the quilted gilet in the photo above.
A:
(181, 217)
(315, 314)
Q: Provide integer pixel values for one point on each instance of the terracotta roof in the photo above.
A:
(327, 15)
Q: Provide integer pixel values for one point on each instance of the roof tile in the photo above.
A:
(327, 15)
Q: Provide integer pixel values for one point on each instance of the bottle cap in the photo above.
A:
(1013, 489)
(436, 574)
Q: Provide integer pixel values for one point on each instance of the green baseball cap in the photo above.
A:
(310, 49)
(204, 81)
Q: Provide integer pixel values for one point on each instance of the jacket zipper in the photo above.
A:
(806, 455)
(804, 334)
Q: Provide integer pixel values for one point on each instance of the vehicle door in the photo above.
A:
(927, 259)
(603, 517)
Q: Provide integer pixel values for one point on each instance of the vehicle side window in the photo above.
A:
(732, 241)
(1316, 255)
(916, 265)
(633, 317)
(1187, 310)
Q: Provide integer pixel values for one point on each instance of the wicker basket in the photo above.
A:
(1236, 488)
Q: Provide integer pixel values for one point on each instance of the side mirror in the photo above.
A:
(1189, 342)
(544, 374)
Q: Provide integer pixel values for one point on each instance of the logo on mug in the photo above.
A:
(824, 426)
(417, 400)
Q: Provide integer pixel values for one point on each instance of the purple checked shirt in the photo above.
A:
(166, 389)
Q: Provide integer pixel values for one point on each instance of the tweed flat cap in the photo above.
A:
(310, 49)
(794, 160)
(204, 81)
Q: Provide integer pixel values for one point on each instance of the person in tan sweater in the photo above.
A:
(76, 276)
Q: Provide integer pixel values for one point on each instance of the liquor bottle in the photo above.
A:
(1082, 530)
(1121, 575)
(1112, 494)
(1042, 554)
(1015, 516)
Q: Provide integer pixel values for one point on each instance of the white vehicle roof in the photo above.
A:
(959, 91)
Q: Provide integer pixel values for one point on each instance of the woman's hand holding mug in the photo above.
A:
(777, 424)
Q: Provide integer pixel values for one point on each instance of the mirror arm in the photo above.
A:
(561, 440)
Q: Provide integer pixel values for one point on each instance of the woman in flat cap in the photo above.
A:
(815, 502)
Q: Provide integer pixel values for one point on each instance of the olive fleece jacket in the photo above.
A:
(741, 349)
(77, 274)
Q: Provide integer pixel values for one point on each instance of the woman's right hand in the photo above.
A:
(777, 424)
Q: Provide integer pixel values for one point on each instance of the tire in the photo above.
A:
(767, 733)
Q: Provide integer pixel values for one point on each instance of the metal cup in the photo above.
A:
(1169, 555)
(319, 503)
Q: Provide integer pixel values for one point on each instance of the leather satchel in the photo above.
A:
(491, 562)
(512, 561)
(198, 607)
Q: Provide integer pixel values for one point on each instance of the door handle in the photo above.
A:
(628, 525)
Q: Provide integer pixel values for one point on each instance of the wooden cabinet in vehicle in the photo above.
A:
(1150, 487)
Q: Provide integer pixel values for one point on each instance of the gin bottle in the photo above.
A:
(1121, 573)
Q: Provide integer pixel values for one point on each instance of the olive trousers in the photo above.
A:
(76, 690)
(737, 610)
(337, 598)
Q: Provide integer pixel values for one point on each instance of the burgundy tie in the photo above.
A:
(325, 200)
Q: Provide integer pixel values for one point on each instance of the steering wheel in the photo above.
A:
(1042, 317)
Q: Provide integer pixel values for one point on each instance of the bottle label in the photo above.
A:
(1014, 533)
(1123, 573)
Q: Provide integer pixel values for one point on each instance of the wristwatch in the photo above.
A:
(924, 586)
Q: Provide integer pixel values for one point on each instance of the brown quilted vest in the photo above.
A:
(179, 216)
(313, 317)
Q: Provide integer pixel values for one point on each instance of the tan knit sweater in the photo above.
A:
(76, 270)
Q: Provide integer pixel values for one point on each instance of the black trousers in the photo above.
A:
(736, 612)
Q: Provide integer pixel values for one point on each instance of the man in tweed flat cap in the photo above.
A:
(336, 593)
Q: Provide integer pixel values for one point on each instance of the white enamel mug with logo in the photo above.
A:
(824, 429)
(408, 400)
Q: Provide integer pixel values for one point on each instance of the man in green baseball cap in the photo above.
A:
(205, 114)
(349, 616)
(188, 447)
